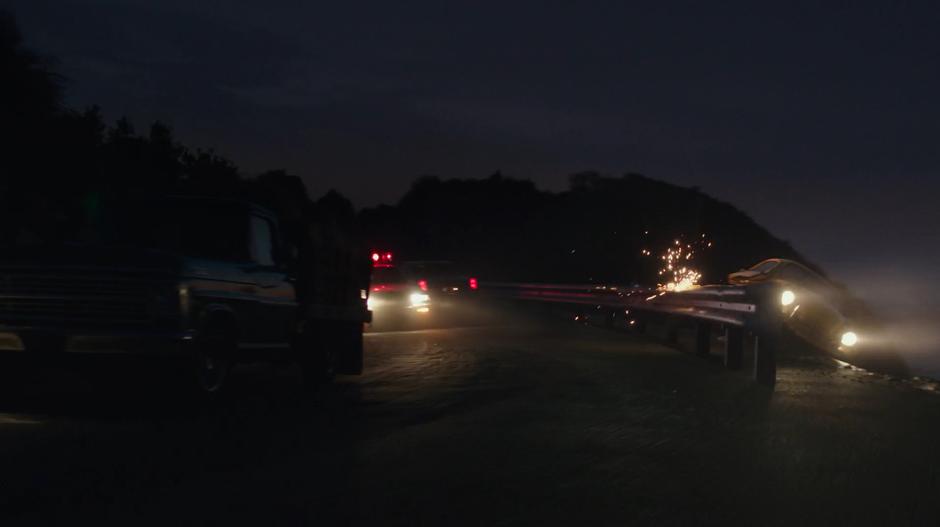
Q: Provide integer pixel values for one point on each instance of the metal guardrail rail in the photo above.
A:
(736, 310)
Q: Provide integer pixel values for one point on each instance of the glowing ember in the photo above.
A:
(677, 274)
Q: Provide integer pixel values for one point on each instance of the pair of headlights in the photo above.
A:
(848, 338)
(417, 300)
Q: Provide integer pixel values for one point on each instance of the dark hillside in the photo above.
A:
(595, 231)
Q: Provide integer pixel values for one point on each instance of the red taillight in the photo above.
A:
(381, 259)
(473, 283)
(423, 285)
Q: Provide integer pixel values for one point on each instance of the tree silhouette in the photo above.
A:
(64, 163)
(59, 162)
(595, 231)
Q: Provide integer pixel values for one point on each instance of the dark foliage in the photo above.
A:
(60, 165)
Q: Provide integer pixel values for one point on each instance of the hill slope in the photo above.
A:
(506, 229)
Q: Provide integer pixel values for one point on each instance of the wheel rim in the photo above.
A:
(211, 371)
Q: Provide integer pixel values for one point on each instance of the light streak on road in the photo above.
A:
(7, 419)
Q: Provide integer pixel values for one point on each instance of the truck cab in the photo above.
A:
(201, 282)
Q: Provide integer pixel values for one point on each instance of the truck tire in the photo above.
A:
(202, 374)
(212, 364)
(314, 351)
(350, 348)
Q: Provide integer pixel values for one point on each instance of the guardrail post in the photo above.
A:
(734, 347)
(672, 332)
(703, 339)
(767, 337)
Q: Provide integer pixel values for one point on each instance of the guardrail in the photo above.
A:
(734, 309)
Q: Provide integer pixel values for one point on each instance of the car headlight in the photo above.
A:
(419, 299)
(787, 297)
(849, 339)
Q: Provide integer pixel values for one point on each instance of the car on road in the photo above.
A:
(197, 283)
(444, 281)
(811, 307)
(394, 298)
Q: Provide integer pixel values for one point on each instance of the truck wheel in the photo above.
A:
(315, 352)
(211, 368)
(204, 372)
(349, 348)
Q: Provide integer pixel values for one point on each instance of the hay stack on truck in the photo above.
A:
(330, 269)
(332, 285)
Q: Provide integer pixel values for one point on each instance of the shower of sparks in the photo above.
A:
(677, 273)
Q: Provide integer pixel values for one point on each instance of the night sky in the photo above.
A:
(822, 122)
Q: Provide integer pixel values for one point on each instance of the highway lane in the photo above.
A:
(522, 422)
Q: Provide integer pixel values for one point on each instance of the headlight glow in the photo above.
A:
(849, 339)
(419, 299)
(787, 298)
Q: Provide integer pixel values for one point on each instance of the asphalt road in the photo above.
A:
(524, 422)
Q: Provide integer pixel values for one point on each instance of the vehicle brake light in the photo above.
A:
(423, 285)
(380, 259)
(473, 283)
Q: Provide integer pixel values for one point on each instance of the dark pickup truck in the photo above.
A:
(200, 282)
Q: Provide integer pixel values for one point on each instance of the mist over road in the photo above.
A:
(540, 421)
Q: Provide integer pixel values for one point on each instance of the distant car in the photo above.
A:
(443, 280)
(813, 308)
(394, 297)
